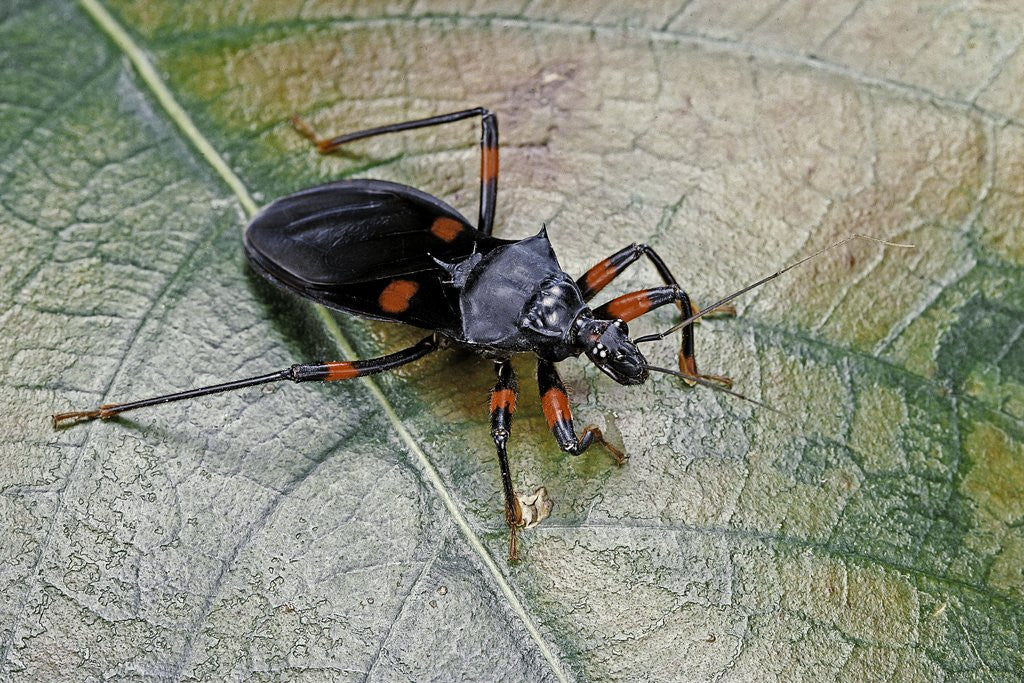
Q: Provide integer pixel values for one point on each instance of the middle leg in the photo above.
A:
(503, 402)
(555, 403)
(520, 513)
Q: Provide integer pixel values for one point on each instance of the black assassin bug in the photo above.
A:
(387, 251)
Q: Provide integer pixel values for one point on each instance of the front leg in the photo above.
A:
(555, 403)
(635, 304)
(595, 279)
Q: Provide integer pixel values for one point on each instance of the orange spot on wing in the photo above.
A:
(341, 370)
(489, 165)
(600, 275)
(503, 398)
(445, 229)
(629, 306)
(555, 404)
(396, 296)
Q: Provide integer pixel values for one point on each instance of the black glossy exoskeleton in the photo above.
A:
(390, 252)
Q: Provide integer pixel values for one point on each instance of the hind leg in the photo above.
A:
(488, 150)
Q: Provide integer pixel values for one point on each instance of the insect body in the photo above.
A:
(387, 251)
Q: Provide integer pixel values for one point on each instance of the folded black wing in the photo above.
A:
(367, 247)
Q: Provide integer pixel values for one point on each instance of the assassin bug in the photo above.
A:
(387, 251)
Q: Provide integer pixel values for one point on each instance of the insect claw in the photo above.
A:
(709, 382)
(62, 417)
(306, 131)
(688, 370)
(723, 311)
(69, 418)
(513, 546)
(529, 512)
(617, 454)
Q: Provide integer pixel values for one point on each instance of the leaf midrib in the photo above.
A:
(176, 113)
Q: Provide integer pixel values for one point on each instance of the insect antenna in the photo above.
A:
(711, 385)
(704, 311)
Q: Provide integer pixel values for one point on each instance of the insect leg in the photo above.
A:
(488, 150)
(503, 402)
(598, 277)
(325, 372)
(555, 404)
(635, 304)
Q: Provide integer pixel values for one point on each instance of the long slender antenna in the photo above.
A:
(711, 385)
(708, 309)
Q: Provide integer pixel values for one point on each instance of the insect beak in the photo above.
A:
(637, 374)
(609, 347)
(628, 370)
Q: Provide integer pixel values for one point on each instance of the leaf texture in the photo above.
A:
(355, 530)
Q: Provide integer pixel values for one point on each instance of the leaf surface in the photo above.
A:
(355, 529)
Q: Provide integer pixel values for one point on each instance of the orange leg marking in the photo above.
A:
(629, 306)
(503, 399)
(600, 275)
(340, 370)
(556, 406)
(688, 364)
(396, 296)
(445, 229)
(489, 164)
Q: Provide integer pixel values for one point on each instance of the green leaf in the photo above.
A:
(356, 528)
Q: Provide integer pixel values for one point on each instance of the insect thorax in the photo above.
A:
(518, 299)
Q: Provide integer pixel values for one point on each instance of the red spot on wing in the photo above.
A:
(396, 296)
(445, 229)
